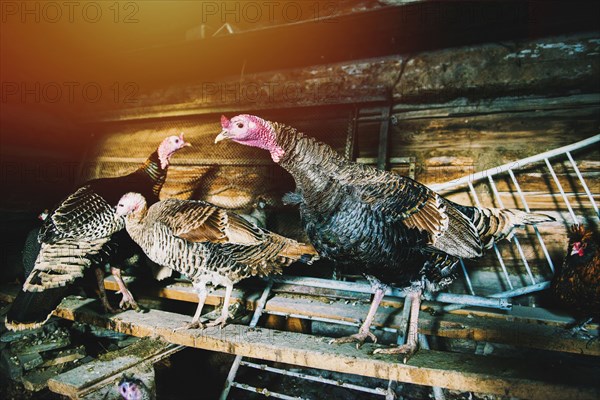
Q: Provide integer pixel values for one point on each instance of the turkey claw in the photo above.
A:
(405, 349)
(190, 325)
(131, 304)
(221, 322)
(359, 338)
(128, 302)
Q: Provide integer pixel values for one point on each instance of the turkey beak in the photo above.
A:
(222, 136)
(185, 144)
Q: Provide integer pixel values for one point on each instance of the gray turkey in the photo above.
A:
(79, 233)
(396, 230)
(207, 244)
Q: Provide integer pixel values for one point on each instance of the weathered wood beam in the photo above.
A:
(530, 378)
(484, 71)
(507, 328)
(92, 376)
(384, 135)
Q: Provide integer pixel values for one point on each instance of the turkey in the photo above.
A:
(258, 214)
(31, 247)
(397, 230)
(132, 388)
(78, 233)
(576, 284)
(207, 244)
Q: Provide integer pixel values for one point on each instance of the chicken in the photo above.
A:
(576, 284)
(207, 244)
(395, 229)
(78, 233)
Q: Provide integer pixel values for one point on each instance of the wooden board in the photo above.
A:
(98, 373)
(529, 378)
(513, 328)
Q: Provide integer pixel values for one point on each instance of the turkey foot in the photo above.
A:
(127, 302)
(220, 322)
(578, 329)
(364, 332)
(407, 349)
(412, 341)
(190, 325)
(196, 324)
(359, 338)
(107, 307)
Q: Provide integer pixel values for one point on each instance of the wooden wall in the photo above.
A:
(455, 111)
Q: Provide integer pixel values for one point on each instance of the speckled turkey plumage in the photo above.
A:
(201, 241)
(77, 234)
(209, 244)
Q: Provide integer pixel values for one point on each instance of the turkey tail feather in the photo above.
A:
(461, 239)
(494, 224)
(31, 310)
(299, 252)
(60, 263)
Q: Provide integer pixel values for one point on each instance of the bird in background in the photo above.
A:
(258, 213)
(78, 233)
(576, 283)
(31, 247)
(208, 244)
(132, 388)
(395, 229)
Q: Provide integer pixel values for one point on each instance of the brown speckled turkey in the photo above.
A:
(79, 233)
(208, 244)
(394, 229)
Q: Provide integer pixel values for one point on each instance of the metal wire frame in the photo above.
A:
(510, 168)
(238, 361)
(260, 306)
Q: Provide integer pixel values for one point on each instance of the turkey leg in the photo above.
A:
(127, 302)
(365, 329)
(102, 292)
(196, 324)
(412, 340)
(222, 320)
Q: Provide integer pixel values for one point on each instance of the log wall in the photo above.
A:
(454, 111)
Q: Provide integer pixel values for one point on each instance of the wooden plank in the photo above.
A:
(38, 379)
(65, 356)
(384, 134)
(530, 378)
(56, 340)
(108, 368)
(491, 70)
(522, 326)
(548, 333)
(30, 361)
